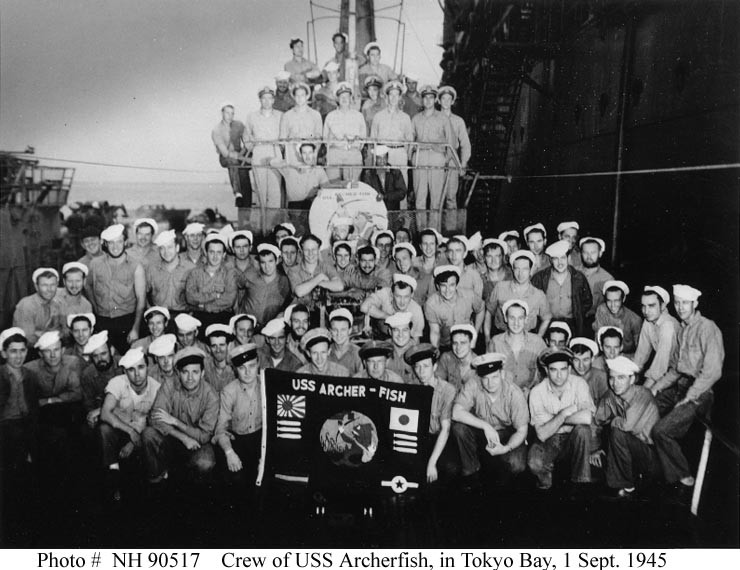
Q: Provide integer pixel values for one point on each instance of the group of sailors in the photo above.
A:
(371, 136)
(534, 357)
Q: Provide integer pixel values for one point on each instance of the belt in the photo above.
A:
(396, 145)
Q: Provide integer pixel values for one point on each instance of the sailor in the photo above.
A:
(273, 354)
(128, 400)
(96, 374)
(423, 359)
(166, 278)
(296, 318)
(383, 241)
(163, 352)
(392, 127)
(40, 312)
(315, 344)
(612, 312)
(561, 411)
(283, 99)
(116, 287)
(290, 253)
(454, 366)
(240, 244)
(520, 346)
(491, 422)
(569, 231)
(585, 351)
(312, 276)
(403, 254)
(567, 289)
(495, 265)
(262, 126)
(395, 299)
(70, 297)
(461, 143)
(411, 103)
(631, 412)
(429, 241)
(143, 250)
(218, 372)
(267, 291)
(433, 132)
(592, 248)
(342, 350)
(156, 318)
(450, 306)
(373, 65)
(90, 241)
(181, 422)
(558, 334)
(302, 179)
(193, 255)
(389, 183)
(341, 54)
(344, 131)
(458, 248)
(536, 238)
(187, 329)
(80, 327)
(375, 355)
(366, 278)
(239, 427)
(241, 330)
(210, 289)
(611, 342)
(299, 123)
(300, 68)
(228, 138)
(374, 103)
(342, 254)
(658, 335)
(399, 327)
(684, 392)
(511, 238)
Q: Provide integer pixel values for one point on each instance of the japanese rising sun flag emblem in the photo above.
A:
(289, 406)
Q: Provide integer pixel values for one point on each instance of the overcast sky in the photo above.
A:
(139, 82)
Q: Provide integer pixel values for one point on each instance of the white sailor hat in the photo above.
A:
(266, 89)
(432, 231)
(287, 226)
(522, 253)
(380, 150)
(241, 234)
(269, 248)
(342, 87)
(186, 323)
(166, 237)
(562, 226)
(428, 90)
(95, 342)
(496, 241)
(146, 221)
(132, 357)
(233, 321)
(373, 80)
(377, 235)
(282, 76)
(225, 104)
(341, 313)
(508, 234)
(537, 226)
(405, 245)
(348, 244)
(75, 265)
(560, 326)
(398, 320)
(12, 331)
(515, 303)
(220, 238)
(394, 84)
(371, 45)
(313, 336)
(475, 241)
(341, 221)
(461, 239)
(410, 79)
(602, 330)
(441, 269)
(219, 329)
(300, 85)
(487, 363)
(402, 278)
(47, 340)
(622, 365)
(273, 328)
(112, 232)
(164, 311)
(659, 291)
(596, 240)
(193, 228)
(41, 270)
(331, 67)
(466, 328)
(587, 342)
(613, 283)
(243, 353)
(558, 249)
(89, 317)
(287, 315)
(448, 89)
(686, 293)
(189, 355)
(163, 345)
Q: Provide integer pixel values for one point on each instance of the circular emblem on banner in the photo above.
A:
(349, 438)
(360, 204)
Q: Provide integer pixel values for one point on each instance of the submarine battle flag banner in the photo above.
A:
(345, 435)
